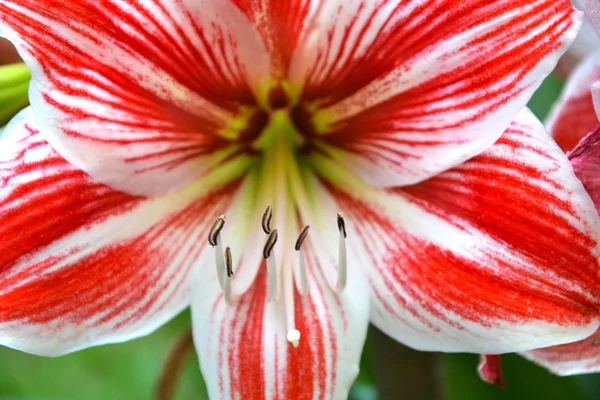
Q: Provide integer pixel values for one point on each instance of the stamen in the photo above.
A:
(269, 255)
(229, 263)
(293, 336)
(341, 224)
(220, 263)
(215, 230)
(301, 237)
(214, 239)
(266, 220)
(270, 244)
(303, 280)
(342, 262)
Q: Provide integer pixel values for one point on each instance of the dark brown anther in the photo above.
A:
(215, 230)
(301, 238)
(229, 262)
(278, 98)
(266, 220)
(270, 244)
(341, 224)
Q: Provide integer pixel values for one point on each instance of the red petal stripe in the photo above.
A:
(468, 259)
(146, 85)
(280, 23)
(574, 116)
(82, 264)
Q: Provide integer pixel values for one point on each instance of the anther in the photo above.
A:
(215, 230)
(301, 238)
(266, 220)
(229, 262)
(270, 244)
(341, 224)
(227, 279)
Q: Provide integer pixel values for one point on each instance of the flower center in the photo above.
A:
(279, 182)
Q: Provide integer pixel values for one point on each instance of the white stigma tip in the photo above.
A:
(293, 337)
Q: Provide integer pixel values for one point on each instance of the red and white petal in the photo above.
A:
(82, 264)
(135, 93)
(416, 87)
(496, 255)
(281, 24)
(244, 353)
(490, 369)
(581, 357)
(574, 116)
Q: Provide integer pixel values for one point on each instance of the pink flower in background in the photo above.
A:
(151, 119)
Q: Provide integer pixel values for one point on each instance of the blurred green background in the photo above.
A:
(130, 371)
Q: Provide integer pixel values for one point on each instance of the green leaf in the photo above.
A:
(524, 381)
(543, 99)
(127, 371)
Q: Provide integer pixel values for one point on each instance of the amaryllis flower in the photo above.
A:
(179, 146)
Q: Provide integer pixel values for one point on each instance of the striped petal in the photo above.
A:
(581, 357)
(573, 116)
(82, 264)
(499, 254)
(243, 349)
(415, 87)
(281, 24)
(137, 93)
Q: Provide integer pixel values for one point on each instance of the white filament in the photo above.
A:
(272, 276)
(227, 290)
(220, 262)
(342, 264)
(303, 284)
